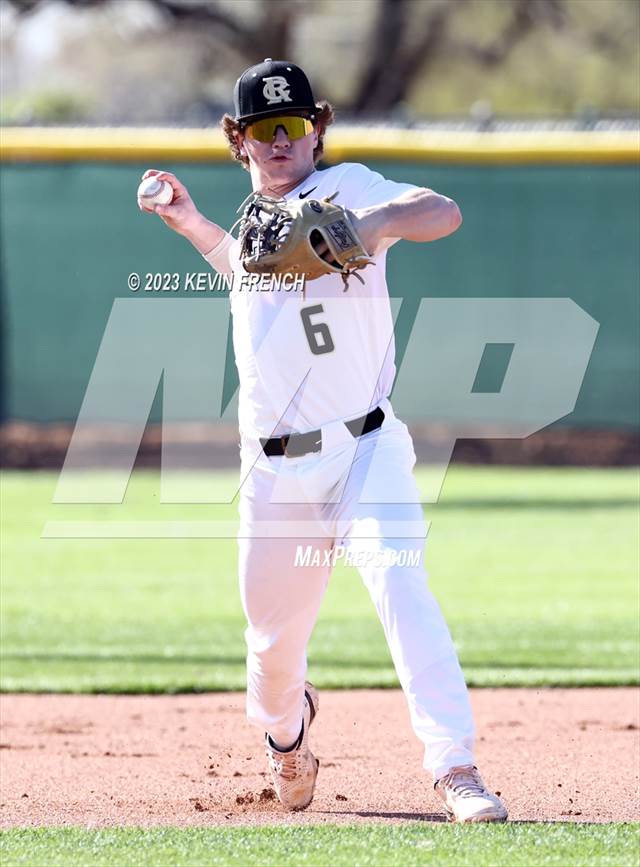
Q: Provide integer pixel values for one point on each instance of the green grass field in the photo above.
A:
(357, 846)
(536, 569)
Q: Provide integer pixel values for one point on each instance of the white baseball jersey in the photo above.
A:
(306, 359)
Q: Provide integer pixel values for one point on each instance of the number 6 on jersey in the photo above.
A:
(318, 334)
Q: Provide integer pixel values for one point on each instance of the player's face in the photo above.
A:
(282, 160)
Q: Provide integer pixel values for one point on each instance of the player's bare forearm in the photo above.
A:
(418, 215)
(202, 233)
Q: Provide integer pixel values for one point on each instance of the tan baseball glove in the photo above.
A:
(283, 237)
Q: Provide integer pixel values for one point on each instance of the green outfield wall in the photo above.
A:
(71, 233)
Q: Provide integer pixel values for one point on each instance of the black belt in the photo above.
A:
(296, 445)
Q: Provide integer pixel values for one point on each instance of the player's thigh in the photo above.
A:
(381, 498)
(284, 556)
(279, 578)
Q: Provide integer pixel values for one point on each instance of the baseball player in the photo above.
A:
(326, 465)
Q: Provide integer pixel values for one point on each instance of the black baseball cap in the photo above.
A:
(270, 88)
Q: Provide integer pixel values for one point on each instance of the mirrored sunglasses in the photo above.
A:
(265, 130)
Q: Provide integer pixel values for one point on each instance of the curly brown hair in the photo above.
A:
(324, 118)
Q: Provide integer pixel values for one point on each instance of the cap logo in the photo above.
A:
(276, 89)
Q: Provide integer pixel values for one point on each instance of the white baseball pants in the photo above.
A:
(359, 493)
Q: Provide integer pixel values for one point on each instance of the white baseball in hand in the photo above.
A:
(154, 192)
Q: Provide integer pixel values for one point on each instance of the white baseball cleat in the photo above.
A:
(294, 772)
(467, 799)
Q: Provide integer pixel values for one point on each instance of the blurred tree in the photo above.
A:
(270, 28)
(47, 107)
(371, 56)
(409, 38)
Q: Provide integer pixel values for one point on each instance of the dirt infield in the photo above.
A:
(559, 755)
